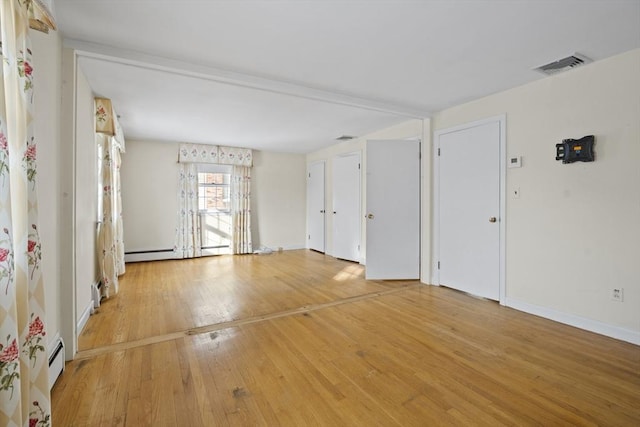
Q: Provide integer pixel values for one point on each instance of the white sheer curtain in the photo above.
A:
(241, 210)
(110, 234)
(24, 368)
(188, 238)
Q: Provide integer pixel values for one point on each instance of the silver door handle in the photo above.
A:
(492, 219)
(370, 216)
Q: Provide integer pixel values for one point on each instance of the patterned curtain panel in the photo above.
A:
(24, 383)
(203, 153)
(117, 202)
(110, 240)
(241, 210)
(188, 240)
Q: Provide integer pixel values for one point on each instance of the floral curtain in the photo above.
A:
(24, 383)
(241, 210)
(110, 234)
(188, 238)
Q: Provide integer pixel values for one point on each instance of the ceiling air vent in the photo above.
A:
(563, 64)
(345, 138)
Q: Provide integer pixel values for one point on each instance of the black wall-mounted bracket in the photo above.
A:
(576, 150)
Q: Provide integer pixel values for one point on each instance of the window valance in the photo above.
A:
(107, 121)
(203, 153)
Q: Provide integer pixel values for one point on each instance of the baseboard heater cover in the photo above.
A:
(149, 255)
(56, 361)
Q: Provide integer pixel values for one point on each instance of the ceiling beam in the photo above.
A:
(235, 78)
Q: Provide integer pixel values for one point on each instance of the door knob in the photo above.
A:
(370, 216)
(492, 219)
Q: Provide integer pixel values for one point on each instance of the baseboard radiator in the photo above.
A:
(149, 255)
(56, 361)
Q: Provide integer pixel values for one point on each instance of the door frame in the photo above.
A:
(502, 121)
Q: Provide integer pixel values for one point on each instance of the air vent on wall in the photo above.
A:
(563, 64)
(345, 138)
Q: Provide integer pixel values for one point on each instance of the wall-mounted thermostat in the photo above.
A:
(515, 162)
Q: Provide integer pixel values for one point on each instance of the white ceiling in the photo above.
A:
(294, 75)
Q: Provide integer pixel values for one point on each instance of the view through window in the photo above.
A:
(215, 211)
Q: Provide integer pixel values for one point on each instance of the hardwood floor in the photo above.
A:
(297, 339)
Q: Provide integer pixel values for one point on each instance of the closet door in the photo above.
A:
(315, 207)
(347, 220)
(393, 210)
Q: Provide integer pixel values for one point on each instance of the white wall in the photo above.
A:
(418, 129)
(278, 200)
(86, 200)
(149, 201)
(47, 57)
(149, 177)
(574, 233)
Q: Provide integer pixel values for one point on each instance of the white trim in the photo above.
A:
(576, 321)
(84, 318)
(236, 78)
(293, 247)
(502, 121)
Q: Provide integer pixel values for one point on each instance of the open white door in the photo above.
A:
(393, 210)
(315, 207)
(468, 208)
(347, 220)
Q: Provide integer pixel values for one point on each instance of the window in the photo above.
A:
(214, 205)
(213, 192)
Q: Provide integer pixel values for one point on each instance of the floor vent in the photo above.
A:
(56, 361)
(563, 64)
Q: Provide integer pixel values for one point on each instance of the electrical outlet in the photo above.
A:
(617, 294)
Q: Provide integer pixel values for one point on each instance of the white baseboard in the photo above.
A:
(84, 318)
(293, 248)
(577, 321)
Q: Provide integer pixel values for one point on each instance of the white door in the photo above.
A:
(468, 204)
(393, 210)
(315, 207)
(347, 221)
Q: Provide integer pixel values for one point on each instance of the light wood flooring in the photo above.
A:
(301, 339)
